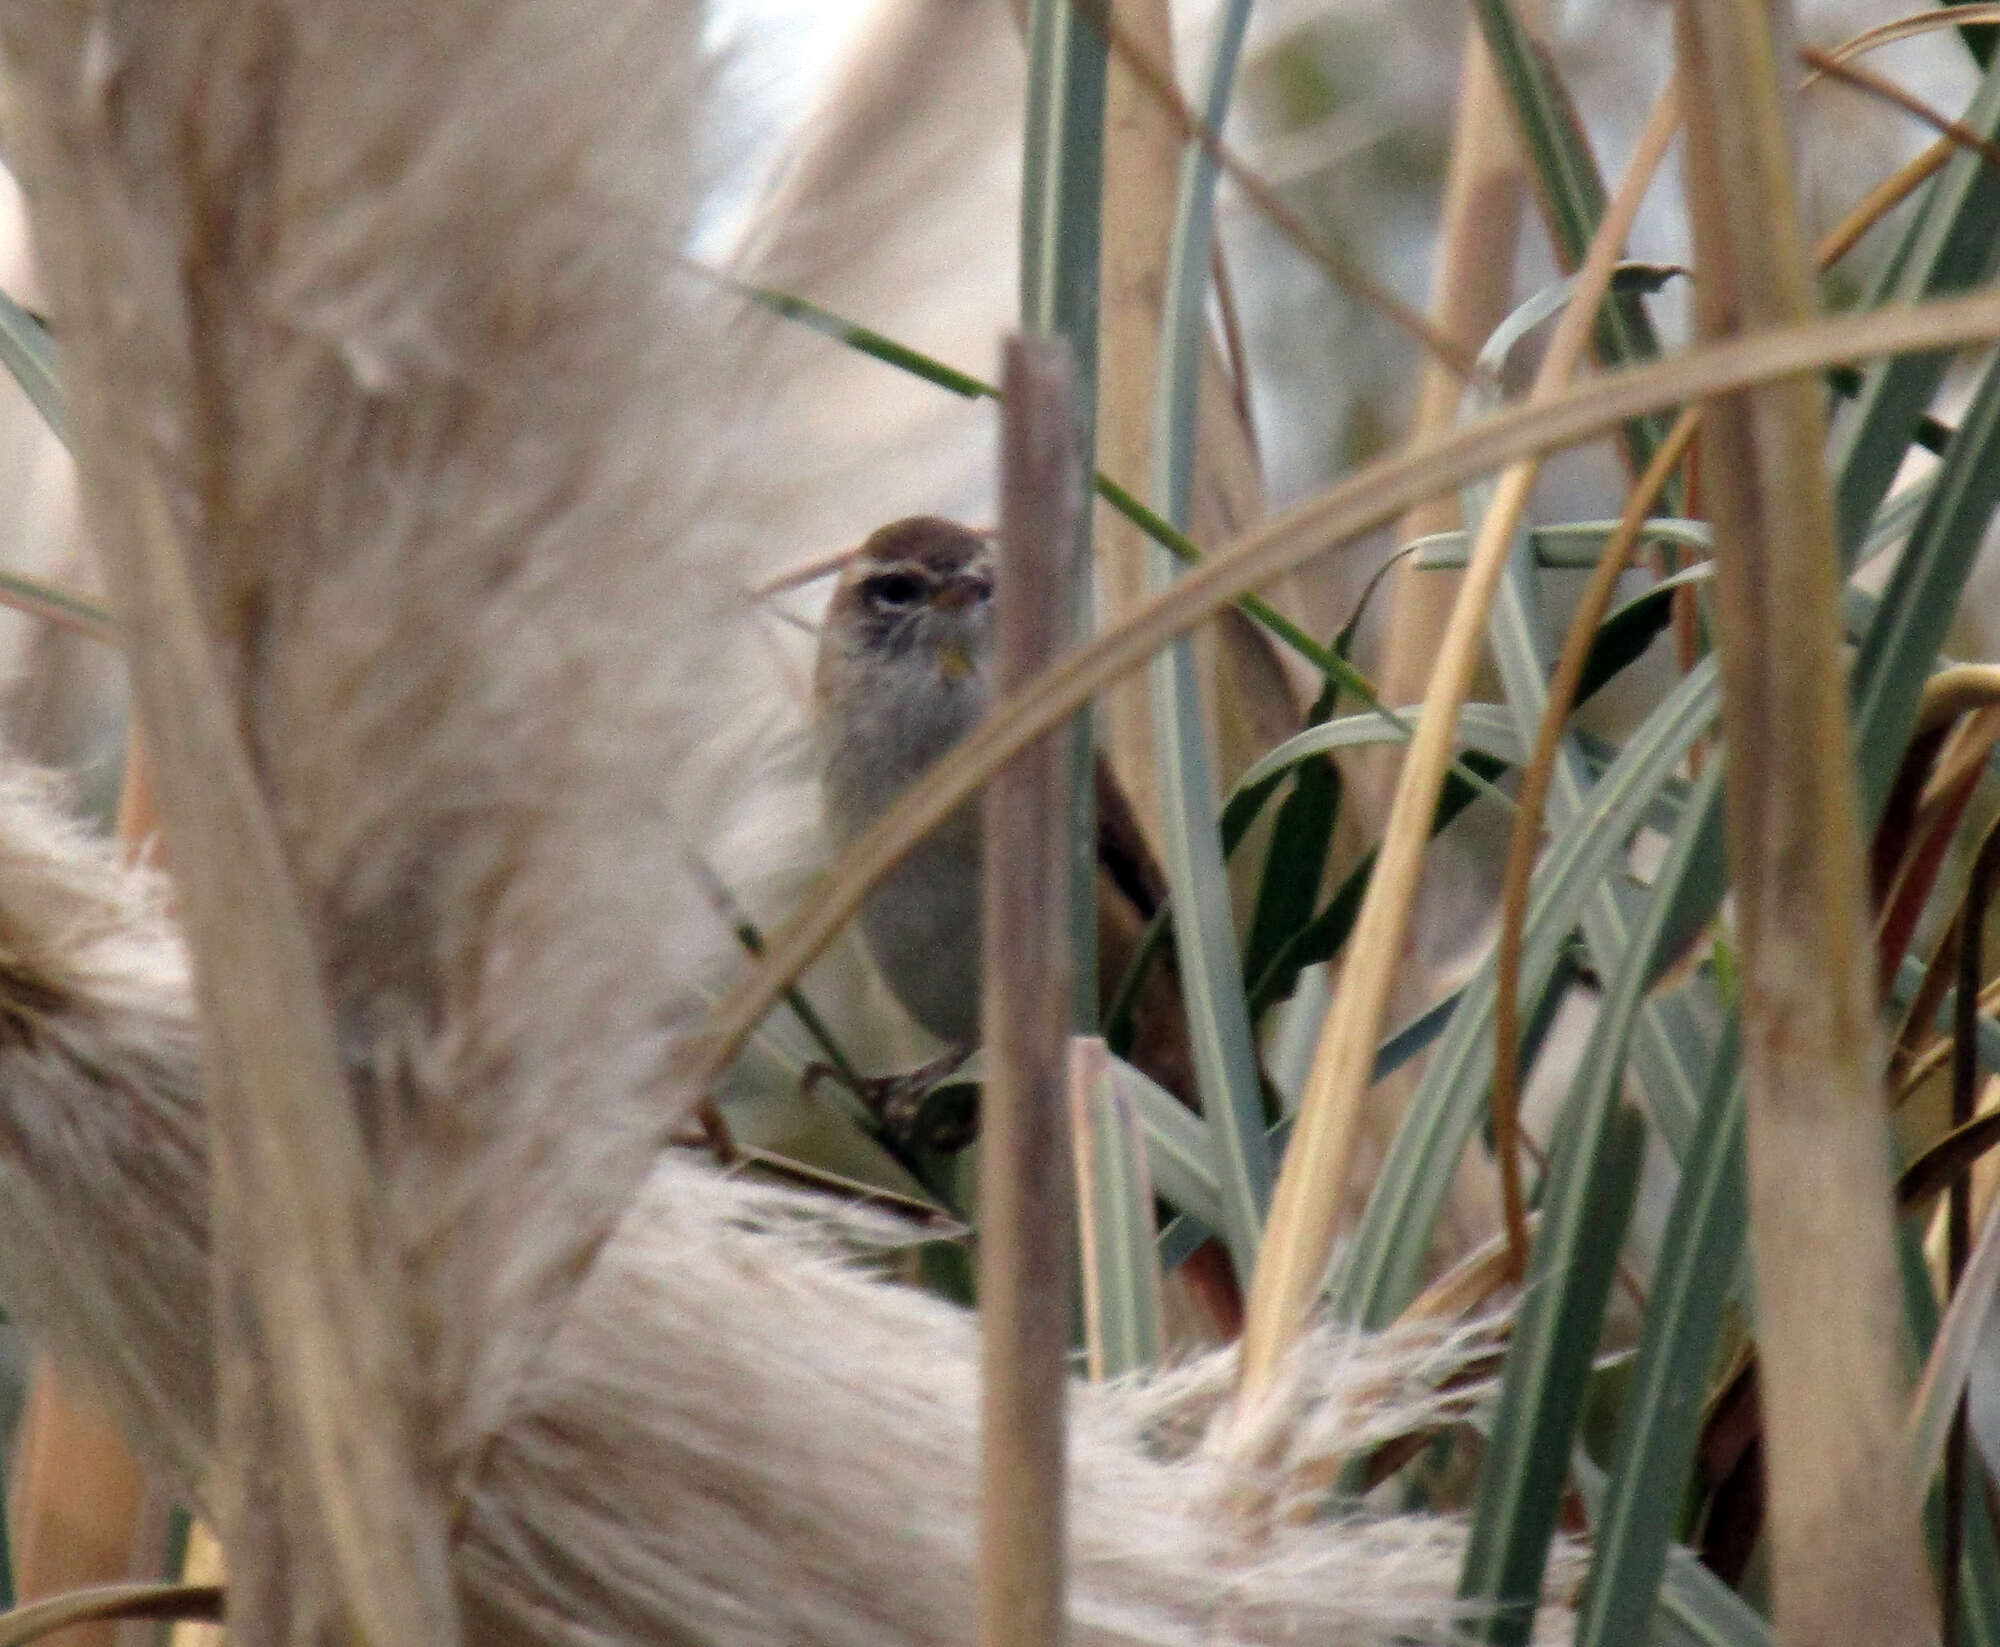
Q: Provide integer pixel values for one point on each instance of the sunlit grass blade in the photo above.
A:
(1385, 1257)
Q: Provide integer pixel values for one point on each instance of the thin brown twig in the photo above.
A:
(800, 573)
(1234, 350)
(1879, 201)
(1875, 85)
(1506, 1099)
(1938, 1050)
(1523, 844)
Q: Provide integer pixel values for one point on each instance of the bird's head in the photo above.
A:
(913, 612)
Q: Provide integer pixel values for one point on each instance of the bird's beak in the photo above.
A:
(957, 594)
(953, 664)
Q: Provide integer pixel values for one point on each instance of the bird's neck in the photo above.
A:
(891, 726)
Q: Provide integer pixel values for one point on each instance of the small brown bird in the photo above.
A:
(905, 671)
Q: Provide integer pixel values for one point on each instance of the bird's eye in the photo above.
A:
(894, 589)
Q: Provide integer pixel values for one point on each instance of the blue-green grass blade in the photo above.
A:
(1062, 178)
(1949, 246)
(1592, 1182)
(29, 353)
(1571, 192)
(1562, 1306)
(1225, 1053)
(1700, 1255)
(1900, 649)
(1125, 1267)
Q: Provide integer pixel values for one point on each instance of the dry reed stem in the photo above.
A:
(1249, 687)
(1846, 1560)
(1024, 1172)
(1306, 1205)
(1372, 496)
(1143, 149)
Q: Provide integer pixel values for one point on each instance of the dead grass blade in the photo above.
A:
(1951, 1358)
(106, 1603)
(1846, 1560)
(1962, 16)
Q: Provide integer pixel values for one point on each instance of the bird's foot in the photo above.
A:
(921, 1108)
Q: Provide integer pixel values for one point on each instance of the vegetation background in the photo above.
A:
(1458, 165)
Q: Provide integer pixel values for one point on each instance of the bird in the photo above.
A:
(905, 670)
